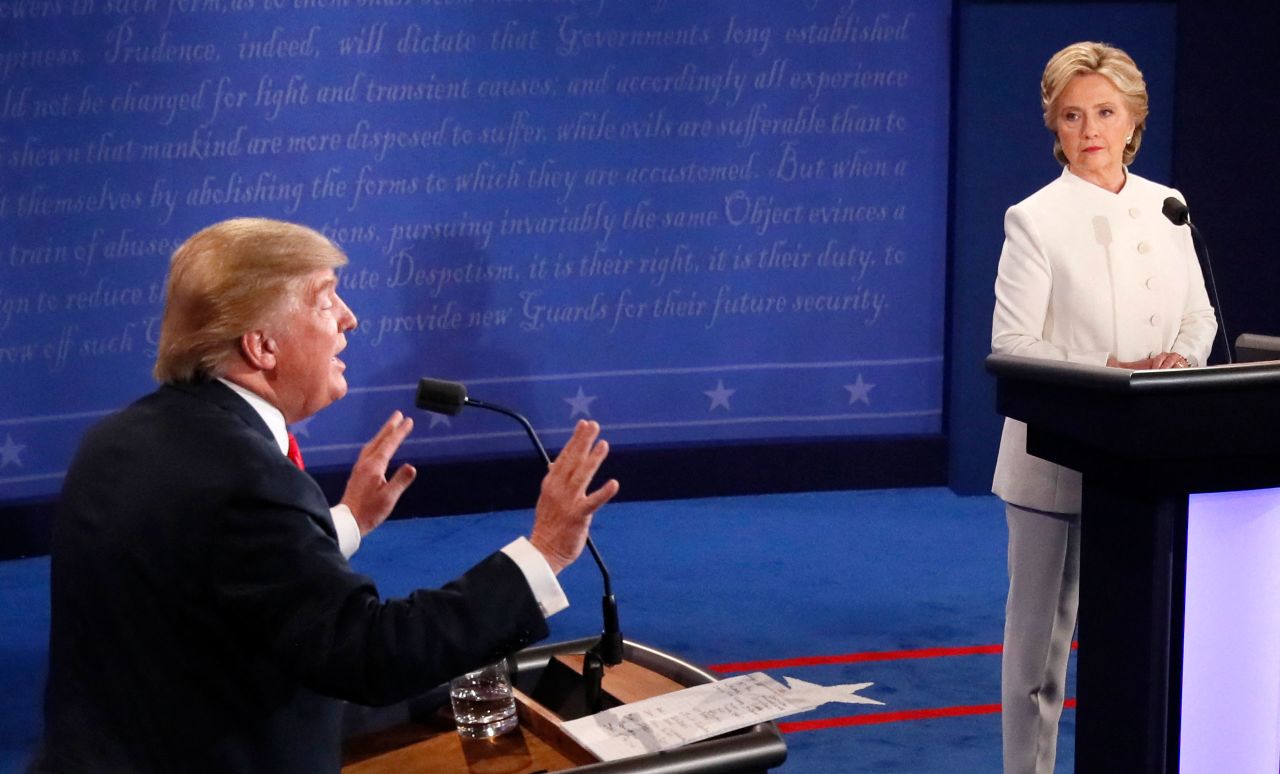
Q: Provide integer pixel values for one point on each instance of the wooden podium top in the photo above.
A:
(538, 744)
(436, 748)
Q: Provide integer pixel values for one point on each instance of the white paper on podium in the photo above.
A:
(701, 712)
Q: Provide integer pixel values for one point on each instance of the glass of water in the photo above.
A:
(483, 703)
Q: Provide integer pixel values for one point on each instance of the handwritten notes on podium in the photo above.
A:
(701, 712)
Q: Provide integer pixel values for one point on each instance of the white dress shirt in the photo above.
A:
(533, 565)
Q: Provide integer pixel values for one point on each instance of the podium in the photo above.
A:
(420, 736)
(1179, 623)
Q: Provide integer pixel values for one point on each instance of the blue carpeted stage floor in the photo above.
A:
(903, 588)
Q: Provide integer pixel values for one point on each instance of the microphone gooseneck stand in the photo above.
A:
(449, 398)
(1180, 215)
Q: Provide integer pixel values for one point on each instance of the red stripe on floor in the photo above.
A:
(855, 658)
(873, 718)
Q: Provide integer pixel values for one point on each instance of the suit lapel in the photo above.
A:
(216, 393)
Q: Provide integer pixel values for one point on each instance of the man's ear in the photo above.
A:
(259, 349)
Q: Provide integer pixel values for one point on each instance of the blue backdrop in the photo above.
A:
(692, 222)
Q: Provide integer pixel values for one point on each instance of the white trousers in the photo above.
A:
(1039, 621)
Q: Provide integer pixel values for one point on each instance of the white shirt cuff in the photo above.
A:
(348, 531)
(542, 581)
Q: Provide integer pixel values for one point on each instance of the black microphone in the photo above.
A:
(1179, 215)
(1176, 211)
(441, 397)
(450, 398)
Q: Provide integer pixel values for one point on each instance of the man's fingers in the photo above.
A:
(387, 440)
(394, 432)
(400, 432)
(584, 434)
(579, 459)
(582, 459)
(597, 499)
(401, 480)
(578, 463)
(387, 428)
(565, 507)
(590, 465)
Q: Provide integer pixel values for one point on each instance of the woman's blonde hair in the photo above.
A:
(1105, 60)
(224, 281)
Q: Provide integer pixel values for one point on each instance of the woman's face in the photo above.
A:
(1093, 125)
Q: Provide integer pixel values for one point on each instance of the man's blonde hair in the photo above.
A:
(224, 281)
(1109, 62)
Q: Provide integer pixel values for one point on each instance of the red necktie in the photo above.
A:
(295, 454)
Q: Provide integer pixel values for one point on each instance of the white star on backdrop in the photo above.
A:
(302, 427)
(859, 391)
(580, 404)
(10, 451)
(719, 396)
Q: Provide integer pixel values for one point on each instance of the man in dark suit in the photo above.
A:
(204, 616)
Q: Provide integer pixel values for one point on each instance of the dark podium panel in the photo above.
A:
(1148, 443)
(419, 735)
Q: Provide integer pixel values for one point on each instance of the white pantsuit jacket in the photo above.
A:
(1086, 273)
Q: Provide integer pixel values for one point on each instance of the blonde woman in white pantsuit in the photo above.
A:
(1091, 272)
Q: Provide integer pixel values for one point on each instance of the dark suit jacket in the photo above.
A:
(203, 618)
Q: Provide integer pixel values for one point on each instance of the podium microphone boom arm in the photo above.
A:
(444, 397)
(542, 451)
